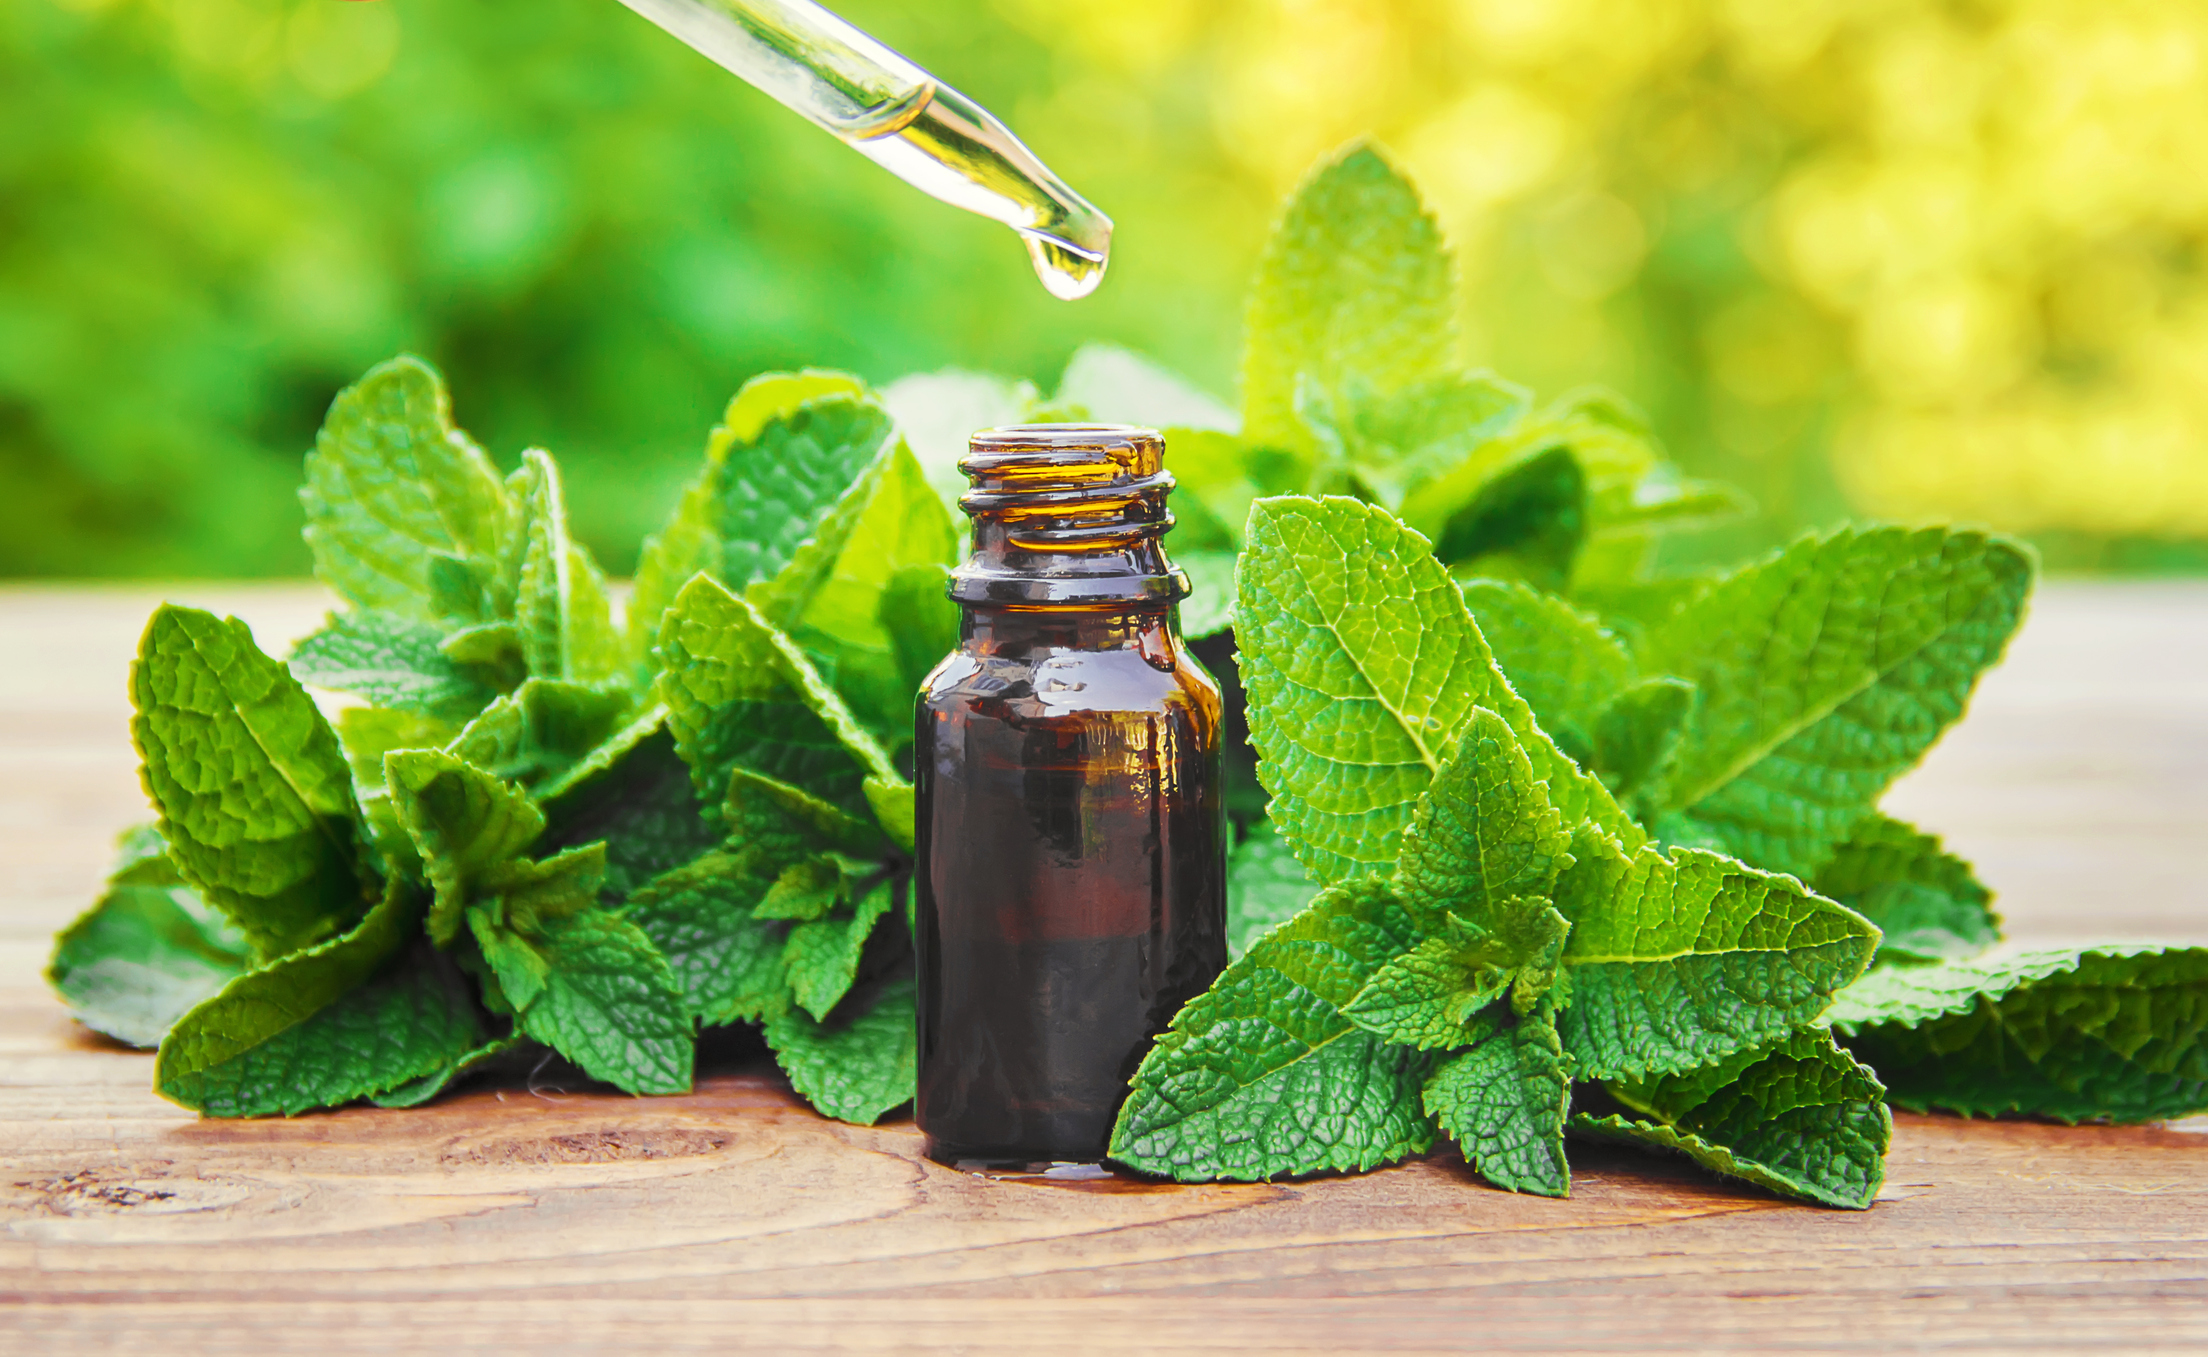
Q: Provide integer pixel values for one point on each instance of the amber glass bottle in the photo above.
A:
(1072, 871)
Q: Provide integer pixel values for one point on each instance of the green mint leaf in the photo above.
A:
(1428, 997)
(340, 1020)
(1354, 283)
(592, 987)
(1483, 833)
(465, 824)
(1826, 671)
(1925, 901)
(713, 509)
(1580, 681)
(823, 956)
(147, 952)
(739, 694)
(2076, 1034)
(846, 628)
(1266, 887)
(705, 916)
(495, 649)
(393, 662)
(541, 730)
(1566, 665)
(1362, 665)
(1503, 1102)
(777, 824)
(560, 607)
(1262, 1076)
(255, 796)
(1678, 962)
(634, 795)
(859, 1064)
(395, 495)
(726, 960)
(1803, 1119)
(805, 891)
(415, 1092)
(1209, 607)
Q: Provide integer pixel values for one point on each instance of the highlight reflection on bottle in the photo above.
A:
(1072, 873)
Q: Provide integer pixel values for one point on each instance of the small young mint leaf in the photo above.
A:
(1924, 900)
(804, 891)
(255, 796)
(560, 607)
(1801, 1118)
(1262, 1076)
(393, 662)
(541, 730)
(1388, 445)
(1428, 997)
(1676, 962)
(1362, 666)
(1483, 833)
(393, 489)
(1504, 1101)
(591, 986)
(529, 895)
(1354, 283)
(861, 1062)
(2076, 1034)
(465, 824)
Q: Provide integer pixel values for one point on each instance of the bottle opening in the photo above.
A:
(1067, 513)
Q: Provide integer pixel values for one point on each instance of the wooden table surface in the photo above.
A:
(557, 1221)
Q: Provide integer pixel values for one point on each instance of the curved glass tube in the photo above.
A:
(901, 118)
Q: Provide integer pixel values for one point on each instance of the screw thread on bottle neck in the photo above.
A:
(1067, 515)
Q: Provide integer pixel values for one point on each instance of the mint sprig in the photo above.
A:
(1547, 843)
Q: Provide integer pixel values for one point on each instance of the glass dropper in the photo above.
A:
(901, 118)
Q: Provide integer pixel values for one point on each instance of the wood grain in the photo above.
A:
(563, 1220)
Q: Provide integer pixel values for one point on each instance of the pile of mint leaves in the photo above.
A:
(1533, 839)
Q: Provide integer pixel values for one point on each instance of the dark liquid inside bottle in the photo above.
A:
(1071, 882)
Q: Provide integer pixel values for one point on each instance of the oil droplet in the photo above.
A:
(1066, 274)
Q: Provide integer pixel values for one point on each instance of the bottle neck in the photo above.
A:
(1023, 633)
(1068, 514)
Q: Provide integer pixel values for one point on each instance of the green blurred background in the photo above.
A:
(1894, 258)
